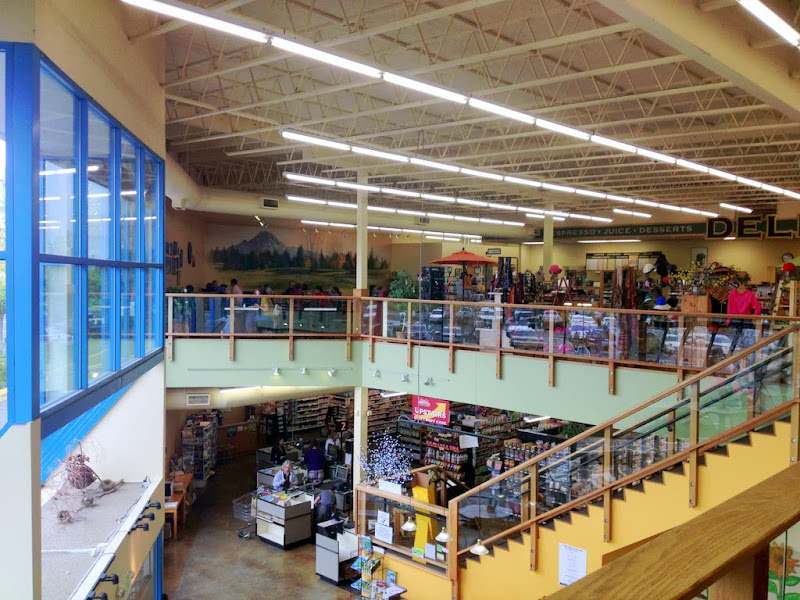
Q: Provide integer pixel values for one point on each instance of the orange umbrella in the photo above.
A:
(464, 258)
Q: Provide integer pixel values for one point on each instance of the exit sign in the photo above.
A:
(493, 251)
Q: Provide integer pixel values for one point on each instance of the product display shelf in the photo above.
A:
(307, 413)
(499, 424)
(343, 407)
(383, 412)
(199, 444)
(409, 437)
(443, 449)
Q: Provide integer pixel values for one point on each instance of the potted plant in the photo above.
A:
(698, 283)
(403, 286)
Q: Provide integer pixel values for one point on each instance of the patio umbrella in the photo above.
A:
(463, 258)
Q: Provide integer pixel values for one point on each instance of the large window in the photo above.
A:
(101, 243)
(3, 361)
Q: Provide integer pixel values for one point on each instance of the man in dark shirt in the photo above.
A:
(314, 458)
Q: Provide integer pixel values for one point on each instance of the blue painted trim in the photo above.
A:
(60, 413)
(95, 262)
(158, 566)
(22, 239)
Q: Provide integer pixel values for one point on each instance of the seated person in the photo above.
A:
(285, 478)
(279, 451)
(314, 458)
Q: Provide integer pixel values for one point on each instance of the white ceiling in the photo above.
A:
(576, 62)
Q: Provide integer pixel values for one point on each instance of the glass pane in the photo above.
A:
(99, 323)
(152, 248)
(152, 306)
(3, 361)
(57, 167)
(58, 331)
(127, 209)
(98, 191)
(127, 315)
(2, 156)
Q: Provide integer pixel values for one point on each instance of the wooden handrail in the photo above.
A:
(687, 559)
(674, 459)
(609, 423)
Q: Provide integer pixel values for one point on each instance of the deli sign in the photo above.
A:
(430, 410)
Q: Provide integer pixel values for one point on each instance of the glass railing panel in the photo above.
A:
(491, 511)
(322, 314)
(570, 473)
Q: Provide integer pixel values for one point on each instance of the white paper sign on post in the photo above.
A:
(571, 564)
(383, 517)
(384, 533)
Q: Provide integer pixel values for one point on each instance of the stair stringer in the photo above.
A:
(635, 516)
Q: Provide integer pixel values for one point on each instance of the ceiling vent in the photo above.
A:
(423, 220)
(269, 203)
(198, 399)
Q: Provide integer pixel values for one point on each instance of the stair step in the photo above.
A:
(656, 477)
(582, 510)
(637, 486)
(619, 493)
(473, 557)
(701, 460)
(548, 524)
(786, 419)
(768, 429)
(565, 517)
(517, 537)
(501, 544)
(721, 450)
(677, 469)
(742, 441)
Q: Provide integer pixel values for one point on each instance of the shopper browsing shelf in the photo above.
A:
(285, 478)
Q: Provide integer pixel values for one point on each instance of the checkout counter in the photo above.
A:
(337, 547)
(284, 518)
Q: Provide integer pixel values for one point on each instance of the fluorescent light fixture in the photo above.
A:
(307, 222)
(656, 155)
(670, 207)
(632, 213)
(743, 209)
(502, 206)
(484, 174)
(357, 186)
(105, 220)
(437, 198)
(68, 171)
(382, 209)
(534, 419)
(558, 128)
(197, 16)
(771, 188)
(520, 181)
(342, 204)
(344, 225)
(440, 216)
(791, 194)
(434, 165)
(379, 154)
(691, 165)
(604, 141)
(425, 88)
(750, 182)
(646, 203)
(391, 229)
(399, 192)
(722, 174)
(771, 20)
(533, 243)
(728, 239)
(556, 213)
(527, 209)
(104, 195)
(325, 57)
(558, 188)
(240, 389)
(306, 200)
(413, 231)
(590, 193)
(308, 139)
(559, 219)
(128, 219)
(470, 219)
(606, 241)
(534, 216)
(442, 238)
(391, 394)
(502, 111)
(309, 179)
(491, 221)
(603, 219)
(620, 198)
(128, 193)
(692, 211)
(472, 202)
(514, 223)
(416, 213)
(707, 213)
(583, 217)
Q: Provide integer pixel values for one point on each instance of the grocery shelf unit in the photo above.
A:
(443, 449)
(199, 445)
(306, 413)
(500, 425)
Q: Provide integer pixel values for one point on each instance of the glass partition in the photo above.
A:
(99, 324)
(100, 187)
(57, 339)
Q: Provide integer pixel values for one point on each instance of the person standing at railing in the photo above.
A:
(236, 291)
(741, 301)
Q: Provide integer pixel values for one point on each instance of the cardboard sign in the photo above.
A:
(430, 410)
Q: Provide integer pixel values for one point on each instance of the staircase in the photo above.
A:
(623, 482)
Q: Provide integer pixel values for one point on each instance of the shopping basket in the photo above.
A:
(243, 511)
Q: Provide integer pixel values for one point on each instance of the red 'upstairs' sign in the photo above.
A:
(430, 410)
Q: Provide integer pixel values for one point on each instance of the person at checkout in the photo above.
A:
(279, 451)
(285, 478)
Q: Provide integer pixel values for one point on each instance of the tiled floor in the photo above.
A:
(209, 561)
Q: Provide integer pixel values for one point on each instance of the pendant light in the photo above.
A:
(409, 525)
(443, 537)
(479, 549)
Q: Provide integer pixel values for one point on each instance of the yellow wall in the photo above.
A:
(421, 584)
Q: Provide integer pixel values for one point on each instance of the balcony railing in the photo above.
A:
(674, 341)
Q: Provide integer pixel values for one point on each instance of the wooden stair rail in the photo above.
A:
(685, 560)
(598, 430)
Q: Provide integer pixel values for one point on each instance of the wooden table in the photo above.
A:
(178, 500)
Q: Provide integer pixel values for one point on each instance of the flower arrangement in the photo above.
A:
(699, 280)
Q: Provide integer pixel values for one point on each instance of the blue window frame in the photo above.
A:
(4, 404)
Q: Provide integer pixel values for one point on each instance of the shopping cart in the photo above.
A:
(243, 510)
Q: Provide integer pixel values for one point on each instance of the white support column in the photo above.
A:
(547, 247)
(20, 502)
(360, 430)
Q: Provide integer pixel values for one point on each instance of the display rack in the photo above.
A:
(443, 449)
(410, 438)
(199, 444)
(497, 424)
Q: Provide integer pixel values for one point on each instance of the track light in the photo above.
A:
(404, 377)
(150, 516)
(142, 526)
(410, 525)
(331, 372)
(106, 578)
(156, 505)
(276, 371)
(479, 549)
(443, 537)
(100, 596)
(428, 381)
(376, 373)
(303, 371)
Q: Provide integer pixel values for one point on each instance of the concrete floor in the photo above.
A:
(209, 561)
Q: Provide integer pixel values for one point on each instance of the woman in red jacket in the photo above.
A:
(742, 301)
